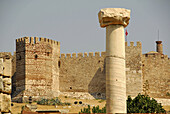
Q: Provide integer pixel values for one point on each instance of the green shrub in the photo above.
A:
(94, 110)
(143, 104)
(55, 101)
(101, 100)
(140, 104)
(85, 110)
(98, 110)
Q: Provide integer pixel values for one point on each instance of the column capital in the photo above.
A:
(114, 16)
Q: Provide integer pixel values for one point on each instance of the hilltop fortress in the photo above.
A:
(39, 70)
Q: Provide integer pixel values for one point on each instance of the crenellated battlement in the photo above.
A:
(81, 55)
(138, 44)
(35, 40)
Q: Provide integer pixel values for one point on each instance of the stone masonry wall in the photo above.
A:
(156, 75)
(133, 69)
(86, 73)
(5, 81)
(37, 67)
(82, 73)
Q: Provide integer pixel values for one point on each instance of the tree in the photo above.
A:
(140, 104)
(143, 104)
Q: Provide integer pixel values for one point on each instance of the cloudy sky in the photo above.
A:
(75, 23)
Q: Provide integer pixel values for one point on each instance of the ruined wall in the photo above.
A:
(156, 75)
(87, 73)
(37, 67)
(5, 81)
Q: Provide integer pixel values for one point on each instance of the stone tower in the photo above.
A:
(37, 71)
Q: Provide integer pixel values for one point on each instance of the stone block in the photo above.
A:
(1, 66)
(1, 84)
(5, 103)
(7, 85)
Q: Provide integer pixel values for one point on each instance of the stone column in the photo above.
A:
(115, 20)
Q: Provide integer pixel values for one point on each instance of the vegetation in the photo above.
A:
(143, 104)
(55, 101)
(101, 100)
(94, 110)
(140, 104)
(168, 94)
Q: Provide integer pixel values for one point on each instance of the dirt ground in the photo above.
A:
(74, 108)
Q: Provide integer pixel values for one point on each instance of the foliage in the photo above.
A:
(98, 110)
(94, 110)
(143, 104)
(101, 100)
(168, 94)
(85, 110)
(55, 101)
(140, 104)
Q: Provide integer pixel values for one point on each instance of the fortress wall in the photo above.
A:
(133, 68)
(86, 72)
(156, 75)
(35, 69)
(82, 72)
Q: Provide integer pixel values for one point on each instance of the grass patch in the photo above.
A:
(55, 101)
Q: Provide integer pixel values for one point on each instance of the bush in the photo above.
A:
(94, 110)
(140, 104)
(55, 101)
(143, 104)
(85, 110)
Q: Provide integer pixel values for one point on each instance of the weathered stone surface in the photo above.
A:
(7, 85)
(5, 102)
(37, 71)
(114, 16)
(87, 73)
(1, 84)
(5, 82)
(113, 19)
(1, 66)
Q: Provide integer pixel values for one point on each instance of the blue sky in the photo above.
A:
(75, 23)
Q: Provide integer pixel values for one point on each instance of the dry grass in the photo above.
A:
(73, 109)
(167, 108)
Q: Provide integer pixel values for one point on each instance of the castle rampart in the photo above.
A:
(41, 71)
(85, 72)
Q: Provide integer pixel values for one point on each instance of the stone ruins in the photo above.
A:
(115, 19)
(5, 81)
(38, 69)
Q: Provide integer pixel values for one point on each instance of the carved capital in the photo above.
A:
(114, 16)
